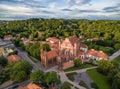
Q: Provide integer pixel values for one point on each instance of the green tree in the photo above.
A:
(37, 76)
(51, 78)
(3, 61)
(105, 66)
(45, 47)
(20, 71)
(117, 46)
(77, 62)
(116, 81)
(66, 85)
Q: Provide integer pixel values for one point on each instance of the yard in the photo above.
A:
(71, 75)
(99, 79)
(86, 65)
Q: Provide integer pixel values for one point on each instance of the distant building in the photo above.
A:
(52, 40)
(8, 37)
(6, 51)
(30, 86)
(40, 32)
(25, 40)
(14, 58)
(96, 55)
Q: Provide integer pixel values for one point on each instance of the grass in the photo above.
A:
(86, 65)
(82, 83)
(71, 85)
(117, 59)
(99, 79)
(71, 75)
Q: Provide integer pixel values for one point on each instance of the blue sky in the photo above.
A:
(78, 9)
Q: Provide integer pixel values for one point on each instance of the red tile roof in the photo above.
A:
(14, 58)
(68, 64)
(24, 39)
(7, 36)
(30, 86)
(84, 46)
(74, 40)
(53, 39)
(41, 32)
(100, 54)
(33, 86)
(56, 46)
(52, 54)
(79, 52)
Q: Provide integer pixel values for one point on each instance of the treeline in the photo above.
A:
(109, 30)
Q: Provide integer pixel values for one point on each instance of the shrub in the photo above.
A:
(94, 85)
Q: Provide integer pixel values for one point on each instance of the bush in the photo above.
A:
(82, 83)
(94, 85)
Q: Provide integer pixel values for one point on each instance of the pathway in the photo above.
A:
(64, 78)
(114, 55)
(83, 77)
(81, 70)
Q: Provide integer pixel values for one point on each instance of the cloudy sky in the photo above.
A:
(78, 9)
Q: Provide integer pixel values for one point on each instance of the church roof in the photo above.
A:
(74, 40)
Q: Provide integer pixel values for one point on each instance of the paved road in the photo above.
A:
(18, 84)
(114, 55)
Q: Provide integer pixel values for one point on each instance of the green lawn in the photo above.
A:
(117, 59)
(86, 65)
(71, 75)
(71, 85)
(99, 79)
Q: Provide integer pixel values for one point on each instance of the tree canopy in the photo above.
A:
(37, 76)
(3, 61)
(20, 71)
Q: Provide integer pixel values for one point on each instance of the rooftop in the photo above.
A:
(14, 58)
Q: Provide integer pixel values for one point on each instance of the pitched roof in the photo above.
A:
(97, 53)
(30, 86)
(7, 36)
(24, 39)
(51, 54)
(56, 46)
(84, 46)
(53, 39)
(40, 32)
(79, 52)
(68, 64)
(74, 40)
(14, 58)
(33, 86)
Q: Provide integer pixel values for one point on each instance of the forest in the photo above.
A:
(107, 31)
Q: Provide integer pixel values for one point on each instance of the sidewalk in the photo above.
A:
(8, 83)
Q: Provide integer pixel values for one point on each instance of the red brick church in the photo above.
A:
(66, 51)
